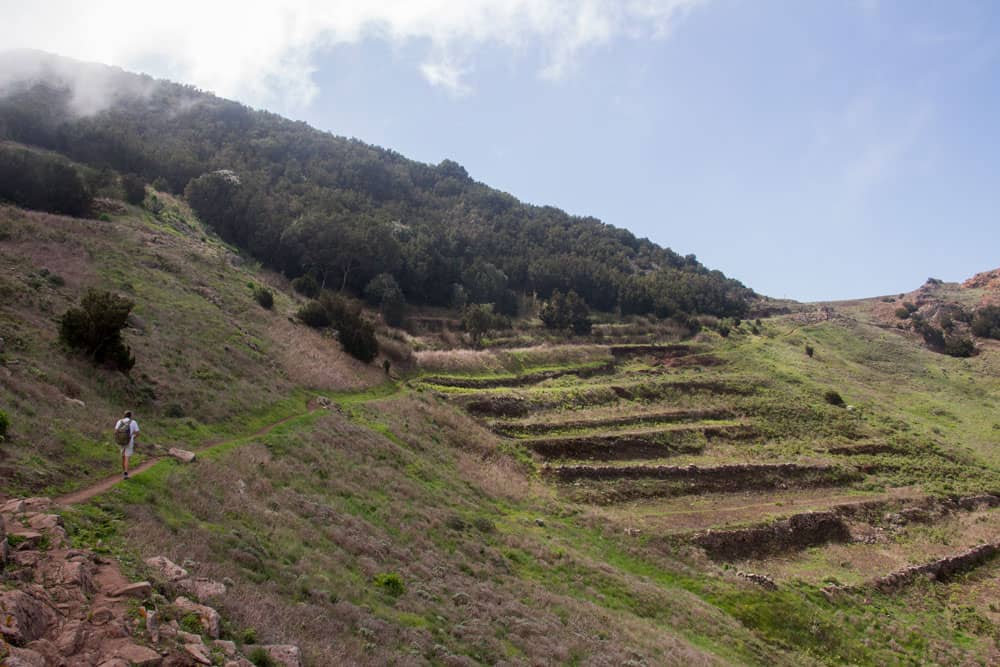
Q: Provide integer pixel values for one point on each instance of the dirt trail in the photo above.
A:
(106, 484)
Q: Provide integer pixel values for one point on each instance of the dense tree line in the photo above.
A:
(42, 181)
(344, 212)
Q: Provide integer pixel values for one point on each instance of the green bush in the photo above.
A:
(95, 328)
(265, 297)
(357, 337)
(902, 313)
(306, 286)
(314, 314)
(959, 346)
(192, 623)
(833, 398)
(391, 583)
(261, 658)
(810, 351)
(986, 322)
(4, 424)
(248, 636)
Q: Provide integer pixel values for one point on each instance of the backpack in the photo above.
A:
(123, 432)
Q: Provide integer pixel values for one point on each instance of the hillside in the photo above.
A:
(694, 502)
(304, 201)
(671, 485)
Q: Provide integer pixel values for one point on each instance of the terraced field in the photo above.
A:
(708, 451)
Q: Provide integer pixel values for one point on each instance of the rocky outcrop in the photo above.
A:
(61, 606)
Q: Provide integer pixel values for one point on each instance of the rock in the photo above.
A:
(181, 455)
(153, 625)
(71, 637)
(101, 616)
(461, 599)
(202, 589)
(170, 570)
(138, 656)
(26, 540)
(114, 662)
(188, 637)
(239, 662)
(210, 619)
(140, 590)
(15, 506)
(37, 504)
(23, 657)
(198, 653)
(540, 523)
(48, 650)
(76, 401)
(25, 619)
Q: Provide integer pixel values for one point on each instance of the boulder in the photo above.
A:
(198, 653)
(210, 619)
(71, 637)
(202, 589)
(26, 540)
(182, 455)
(170, 570)
(13, 506)
(25, 618)
(23, 657)
(44, 523)
(138, 656)
(37, 504)
(140, 590)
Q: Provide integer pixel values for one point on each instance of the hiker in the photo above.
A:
(126, 431)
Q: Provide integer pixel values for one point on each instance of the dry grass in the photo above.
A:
(303, 520)
(484, 361)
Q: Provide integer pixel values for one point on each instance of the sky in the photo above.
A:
(813, 150)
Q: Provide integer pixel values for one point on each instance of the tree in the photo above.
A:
(134, 188)
(567, 311)
(479, 319)
(95, 328)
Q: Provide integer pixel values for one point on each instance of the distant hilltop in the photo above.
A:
(986, 279)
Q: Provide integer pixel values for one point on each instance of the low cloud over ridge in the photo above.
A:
(265, 53)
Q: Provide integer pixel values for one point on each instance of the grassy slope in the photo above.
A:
(312, 520)
(210, 360)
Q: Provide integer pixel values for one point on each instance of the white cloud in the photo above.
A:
(445, 75)
(265, 53)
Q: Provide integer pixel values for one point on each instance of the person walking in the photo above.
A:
(126, 431)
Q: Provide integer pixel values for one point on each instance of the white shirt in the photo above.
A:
(132, 429)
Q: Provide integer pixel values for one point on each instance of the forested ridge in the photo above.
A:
(305, 201)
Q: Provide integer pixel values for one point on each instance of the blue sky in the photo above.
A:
(814, 150)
